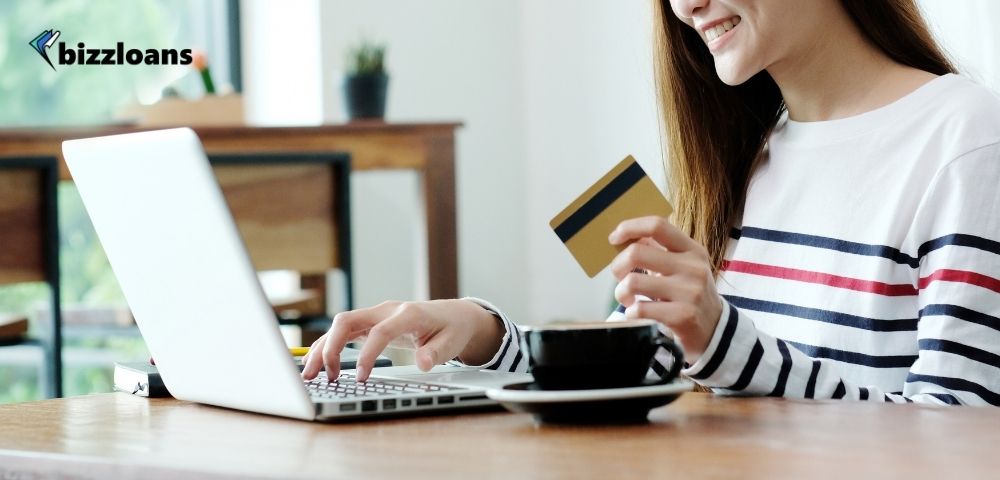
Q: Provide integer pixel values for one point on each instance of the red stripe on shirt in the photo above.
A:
(837, 281)
(972, 278)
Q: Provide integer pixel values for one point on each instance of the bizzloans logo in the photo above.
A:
(106, 56)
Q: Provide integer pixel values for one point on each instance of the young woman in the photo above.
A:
(837, 223)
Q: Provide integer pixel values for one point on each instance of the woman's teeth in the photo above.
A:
(718, 30)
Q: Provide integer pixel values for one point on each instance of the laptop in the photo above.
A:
(174, 247)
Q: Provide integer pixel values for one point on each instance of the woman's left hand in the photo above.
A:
(679, 282)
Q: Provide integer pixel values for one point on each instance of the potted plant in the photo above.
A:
(366, 82)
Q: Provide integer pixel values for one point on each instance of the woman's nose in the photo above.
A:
(685, 9)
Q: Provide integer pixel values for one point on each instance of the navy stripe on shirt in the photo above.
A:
(901, 398)
(659, 369)
(722, 348)
(960, 313)
(874, 361)
(961, 240)
(811, 384)
(962, 384)
(516, 362)
(786, 366)
(840, 391)
(753, 361)
(946, 398)
(825, 316)
(828, 243)
(503, 353)
(948, 346)
(866, 249)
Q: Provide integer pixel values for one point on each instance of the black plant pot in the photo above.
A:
(365, 95)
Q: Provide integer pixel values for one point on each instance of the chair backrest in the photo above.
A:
(27, 219)
(29, 245)
(292, 210)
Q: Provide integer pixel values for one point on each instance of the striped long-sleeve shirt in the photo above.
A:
(867, 262)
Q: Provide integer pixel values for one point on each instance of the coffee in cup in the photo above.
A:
(591, 355)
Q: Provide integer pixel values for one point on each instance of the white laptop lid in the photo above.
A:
(184, 270)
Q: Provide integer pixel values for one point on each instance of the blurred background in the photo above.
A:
(550, 94)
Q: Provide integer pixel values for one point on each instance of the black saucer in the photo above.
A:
(595, 406)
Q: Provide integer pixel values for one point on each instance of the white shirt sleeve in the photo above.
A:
(509, 358)
(956, 233)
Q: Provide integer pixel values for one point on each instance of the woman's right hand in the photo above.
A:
(442, 330)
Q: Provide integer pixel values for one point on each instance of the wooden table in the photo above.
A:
(699, 436)
(428, 148)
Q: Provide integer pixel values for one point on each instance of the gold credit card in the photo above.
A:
(623, 193)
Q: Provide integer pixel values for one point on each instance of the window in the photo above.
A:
(97, 328)
(89, 94)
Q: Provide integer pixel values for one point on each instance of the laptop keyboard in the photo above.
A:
(347, 386)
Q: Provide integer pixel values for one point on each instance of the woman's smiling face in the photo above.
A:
(747, 36)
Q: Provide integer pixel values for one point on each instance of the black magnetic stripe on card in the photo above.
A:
(605, 197)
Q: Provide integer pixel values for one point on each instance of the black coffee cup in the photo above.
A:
(591, 355)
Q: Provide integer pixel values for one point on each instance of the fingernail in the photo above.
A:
(362, 373)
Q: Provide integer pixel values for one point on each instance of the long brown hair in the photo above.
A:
(709, 174)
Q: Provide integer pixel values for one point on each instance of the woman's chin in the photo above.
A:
(732, 75)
